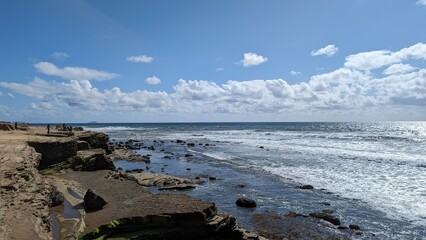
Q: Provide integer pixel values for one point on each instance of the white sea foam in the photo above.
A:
(111, 129)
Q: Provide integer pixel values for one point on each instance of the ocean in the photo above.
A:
(370, 174)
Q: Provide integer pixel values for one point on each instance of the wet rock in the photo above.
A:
(177, 187)
(246, 202)
(188, 155)
(57, 198)
(241, 185)
(326, 203)
(326, 217)
(188, 169)
(212, 178)
(342, 228)
(92, 201)
(261, 147)
(306, 187)
(179, 141)
(354, 227)
(191, 144)
(328, 211)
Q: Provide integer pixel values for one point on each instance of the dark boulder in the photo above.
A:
(354, 227)
(92, 201)
(326, 217)
(57, 198)
(246, 202)
(82, 145)
(306, 187)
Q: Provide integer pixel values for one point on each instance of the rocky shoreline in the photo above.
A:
(37, 168)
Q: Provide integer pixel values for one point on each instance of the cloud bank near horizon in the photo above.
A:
(378, 81)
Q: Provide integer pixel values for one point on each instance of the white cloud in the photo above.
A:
(367, 61)
(294, 73)
(219, 69)
(140, 59)
(153, 80)
(399, 68)
(347, 91)
(253, 59)
(10, 95)
(75, 73)
(328, 50)
(421, 2)
(60, 55)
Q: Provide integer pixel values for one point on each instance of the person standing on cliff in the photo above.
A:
(48, 129)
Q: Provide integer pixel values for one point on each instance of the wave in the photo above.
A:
(111, 129)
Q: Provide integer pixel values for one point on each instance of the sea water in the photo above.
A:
(372, 174)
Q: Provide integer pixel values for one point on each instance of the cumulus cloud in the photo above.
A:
(376, 59)
(399, 68)
(60, 55)
(153, 80)
(345, 90)
(252, 59)
(75, 73)
(421, 2)
(294, 73)
(328, 50)
(140, 59)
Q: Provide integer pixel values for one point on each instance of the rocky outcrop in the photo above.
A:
(295, 226)
(6, 126)
(84, 152)
(54, 152)
(207, 224)
(92, 160)
(162, 181)
(96, 140)
(24, 194)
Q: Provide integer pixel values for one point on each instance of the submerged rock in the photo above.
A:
(306, 187)
(354, 227)
(326, 217)
(93, 201)
(246, 202)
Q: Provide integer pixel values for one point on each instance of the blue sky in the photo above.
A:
(240, 60)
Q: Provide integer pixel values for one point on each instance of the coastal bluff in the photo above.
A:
(34, 166)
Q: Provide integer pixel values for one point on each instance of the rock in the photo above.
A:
(246, 202)
(179, 141)
(307, 187)
(177, 187)
(241, 185)
(54, 152)
(92, 201)
(92, 160)
(212, 178)
(188, 169)
(326, 217)
(6, 126)
(190, 144)
(354, 227)
(96, 140)
(188, 155)
(57, 198)
(326, 203)
(342, 227)
(261, 147)
(82, 145)
(328, 211)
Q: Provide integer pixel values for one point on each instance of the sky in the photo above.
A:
(216, 60)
